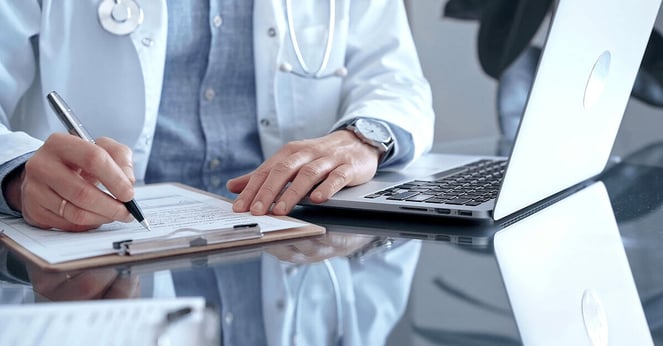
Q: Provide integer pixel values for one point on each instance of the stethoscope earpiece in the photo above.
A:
(120, 17)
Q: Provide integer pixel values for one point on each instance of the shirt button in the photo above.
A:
(147, 42)
(217, 21)
(214, 163)
(271, 32)
(209, 94)
(264, 122)
(216, 181)
(228, 318)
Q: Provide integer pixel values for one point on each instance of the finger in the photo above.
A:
(89, 284)
(337, 179)
(95, 161)
(308, 176)
(49, 220)
(94, 205)
(314, 250)
(43, 281)
(37, 213)
(243, 201)
(279, 175)
(121, 154)
(83, 286)
(125, 286)
(238, 184)
(249, 188)
(287, 253)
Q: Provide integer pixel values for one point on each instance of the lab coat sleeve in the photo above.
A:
(19, 26)
(384, 78)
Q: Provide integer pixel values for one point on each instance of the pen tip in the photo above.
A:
(146, 225)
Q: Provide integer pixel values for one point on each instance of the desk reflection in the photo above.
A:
(309, 292)
(103, 283)
(567, 275)
(314, 291)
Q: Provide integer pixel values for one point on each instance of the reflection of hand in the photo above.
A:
(56, 188)
(104, 283)
(319, 248)
(334, 161)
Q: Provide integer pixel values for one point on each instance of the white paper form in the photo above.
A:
(167, 208)
(108, 322)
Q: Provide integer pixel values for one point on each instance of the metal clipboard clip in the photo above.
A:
(172, 241)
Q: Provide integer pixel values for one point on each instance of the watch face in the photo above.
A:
(373, 130)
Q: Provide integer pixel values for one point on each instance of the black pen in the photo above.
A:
(76, 128)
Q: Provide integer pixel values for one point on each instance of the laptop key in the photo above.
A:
(459, 201)
(402, 195)
(420, 197)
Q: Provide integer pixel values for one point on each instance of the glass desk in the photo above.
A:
(584, 270)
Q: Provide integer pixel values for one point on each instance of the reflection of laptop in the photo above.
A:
(591, 56)
(567, 275)
(471, 235)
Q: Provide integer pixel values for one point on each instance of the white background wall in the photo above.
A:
(464, 97)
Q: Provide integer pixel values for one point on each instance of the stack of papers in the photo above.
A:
(177, 321)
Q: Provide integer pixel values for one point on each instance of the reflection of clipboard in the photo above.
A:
(190, 243)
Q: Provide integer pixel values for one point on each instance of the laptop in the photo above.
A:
(583, 81)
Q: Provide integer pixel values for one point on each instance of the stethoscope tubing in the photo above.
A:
(295, 43)
(125, 26)
(333, 279)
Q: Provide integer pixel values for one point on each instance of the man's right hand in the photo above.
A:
(57, 187)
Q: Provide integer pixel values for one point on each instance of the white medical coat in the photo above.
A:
(114, 82)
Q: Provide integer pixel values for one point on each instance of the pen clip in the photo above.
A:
(199, 238)
(68, 117)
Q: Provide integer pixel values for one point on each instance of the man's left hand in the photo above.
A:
(331, 162)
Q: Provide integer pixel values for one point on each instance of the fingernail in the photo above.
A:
(316, 196)
(239, 205)
(257, 208)
(280, 208)
(129, 219)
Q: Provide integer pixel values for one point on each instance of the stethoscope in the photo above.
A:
(122, 17)
(306, 72)
(333, 279)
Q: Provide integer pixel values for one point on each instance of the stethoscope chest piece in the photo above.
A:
(120, 17)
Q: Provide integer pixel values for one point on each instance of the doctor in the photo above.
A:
(284, 97)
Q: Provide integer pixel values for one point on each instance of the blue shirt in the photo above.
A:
(207, 130)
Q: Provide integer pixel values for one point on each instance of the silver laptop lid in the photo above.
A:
(591, 57)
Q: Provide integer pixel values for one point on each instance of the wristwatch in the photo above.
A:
(374, 133)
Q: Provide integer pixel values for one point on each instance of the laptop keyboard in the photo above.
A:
(471, 185)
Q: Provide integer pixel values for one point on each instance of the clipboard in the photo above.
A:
(247, 236)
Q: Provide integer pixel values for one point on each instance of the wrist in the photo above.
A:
(374, 133)
(11, 187)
